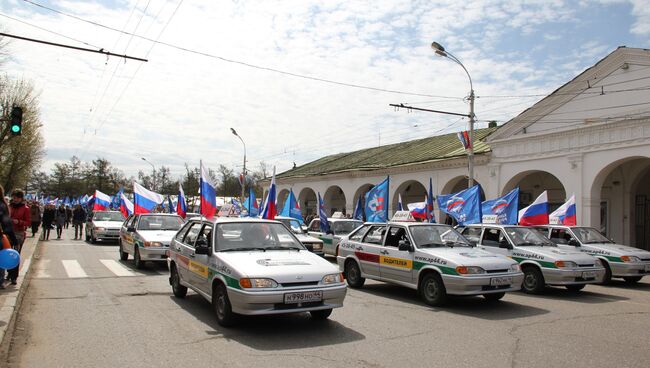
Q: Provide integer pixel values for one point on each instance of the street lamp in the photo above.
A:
(153, 180)
(439, 50)
(243, 179)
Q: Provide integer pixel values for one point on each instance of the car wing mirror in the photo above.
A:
(573, 242)
(404, 245)
(202, 249)
(330, 232)
(504, 244)
(130, 229)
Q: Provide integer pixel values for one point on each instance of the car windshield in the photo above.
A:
(430, 236)
(523, 236)
(292, 224)
(245, 236)
(344, 227)
(589, 235)
(160, 223)
(108, 216)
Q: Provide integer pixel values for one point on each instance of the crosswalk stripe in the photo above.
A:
(73, 268)
(117, 268)
(41, 271)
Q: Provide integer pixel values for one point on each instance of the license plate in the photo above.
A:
(304, 297)
(589, 274)
(498, 281)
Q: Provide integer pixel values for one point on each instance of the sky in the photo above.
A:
(298, 80)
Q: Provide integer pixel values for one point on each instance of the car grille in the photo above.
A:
(497, 271)
(645, 259)
(488, 287)
(585, 279)
(296, 284)
(283, 306)
(586, 265)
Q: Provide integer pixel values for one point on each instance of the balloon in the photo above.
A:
(9, 259)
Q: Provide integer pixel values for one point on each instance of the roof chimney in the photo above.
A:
(492, 124)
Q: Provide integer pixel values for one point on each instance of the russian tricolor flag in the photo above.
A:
(270, 211)
(400, 206)
(181, 205)
(463, 137)
(144, 199)
(431, 217)
(208, 195)
(566, 214)
(102, 201)
(418, 210)
(536, 213)
(126, 207)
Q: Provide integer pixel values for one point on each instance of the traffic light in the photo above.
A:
(16, 121)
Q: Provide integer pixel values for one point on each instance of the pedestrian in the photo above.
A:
(35, 212)
(7, 228)
(68, 216)
(21, 219)
(48, 219)
(78, 218)
(59, 220)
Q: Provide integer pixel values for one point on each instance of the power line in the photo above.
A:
(49, 31)
(243, 63)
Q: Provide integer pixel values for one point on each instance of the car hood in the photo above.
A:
(283, 266)
(465, 256)
(304, 238)
(108, 224)
(617, 250)
(558, 254)
(164, 236)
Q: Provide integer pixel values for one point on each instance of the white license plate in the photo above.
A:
(498, 281)
(304, 297)
(589, 274)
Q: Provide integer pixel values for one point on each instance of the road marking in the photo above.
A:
(117, 268)
(73, 268)
(42, 270)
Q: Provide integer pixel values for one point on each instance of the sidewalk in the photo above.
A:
(11, 296)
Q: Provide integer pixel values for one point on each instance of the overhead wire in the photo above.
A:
(49, 31)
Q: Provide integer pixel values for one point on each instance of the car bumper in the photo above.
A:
(629, 269)
(153, 253)
(554, 276)
(478, 285)
(272, 302)
(107, 235)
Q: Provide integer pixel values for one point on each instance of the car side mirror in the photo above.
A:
(330, 232)
(573, 242)
(504, 244)
(130, 229)
(403, 245)
(202, 249)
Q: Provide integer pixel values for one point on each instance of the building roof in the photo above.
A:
(419, 151)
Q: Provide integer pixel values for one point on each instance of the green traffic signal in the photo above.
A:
(15, 129)
(16, 120)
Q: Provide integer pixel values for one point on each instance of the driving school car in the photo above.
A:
(147, 236)
(339, 227)
(431, 258)
(104, 225)
(251, 266)
(629, 263)
(313, 244)
(541, 261)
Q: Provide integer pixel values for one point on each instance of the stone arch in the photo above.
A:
(620, 201)
(532, 183)
(308, 203)
(411, 190)
(334, 199)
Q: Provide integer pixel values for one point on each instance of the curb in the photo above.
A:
(13, 298)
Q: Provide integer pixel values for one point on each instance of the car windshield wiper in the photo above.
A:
(242, 249)
(432, 245)
(283, 248)
(530, 244)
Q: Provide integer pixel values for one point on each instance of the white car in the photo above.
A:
(339, 228)
(433, 259)
(622, 261)
(248, 266)
(542, 262)
(314, 244)
(147, 237)
(104, 225)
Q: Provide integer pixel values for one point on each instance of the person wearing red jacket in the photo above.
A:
(21, 219)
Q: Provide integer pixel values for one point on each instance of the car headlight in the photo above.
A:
(317, 246)
(153, 244)
(333, 278)
(100, 229)
(469, 270)
(565, 264)
(257, 283)
(515, 268)
(630, 259)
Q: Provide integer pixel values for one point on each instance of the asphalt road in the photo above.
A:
(115, 316)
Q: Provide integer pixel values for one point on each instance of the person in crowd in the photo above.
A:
(21, 219)
(68, 216)
(35, 212)
(59, 220)
(48, 220)
(7, 228)
(78, 218)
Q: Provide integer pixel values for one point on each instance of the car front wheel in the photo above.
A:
(433, 290)
(179, 290)
(139, 263)
(222, 307)
(353, 275)
(123, 255)
(533, 281)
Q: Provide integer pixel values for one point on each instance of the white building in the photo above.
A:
(590, 137)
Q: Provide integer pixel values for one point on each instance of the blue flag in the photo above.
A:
(502, 210)
(358, 210)
(464, 206)
(250, 204)
(169, 203)
(377, 202)
(291, 208)
(115, 200)
(322, 215)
